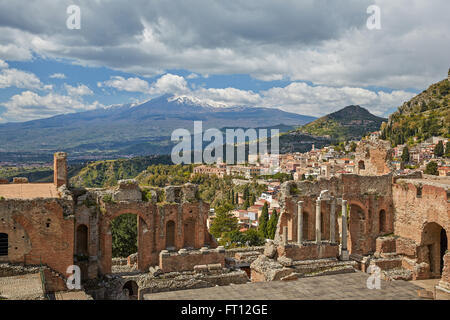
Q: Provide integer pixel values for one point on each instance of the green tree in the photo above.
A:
(405, 154)
(253, 238)
(432, 168)
(447, 149)
(246, 204)
(236, 238)
(272, 225)
(246, 193)
(253, 199)
(439, 149)
(224, 221)
(263, 220)
(124, 235)
(353, 146)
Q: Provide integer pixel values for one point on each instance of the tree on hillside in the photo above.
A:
(405, 154)
(353, 146)
(272, 225)
(447, 149)
(432, 168)
(224, 221)
(263, 220)
(439, 149)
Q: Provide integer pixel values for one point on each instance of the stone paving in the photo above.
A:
(23, 287)
(350, 286)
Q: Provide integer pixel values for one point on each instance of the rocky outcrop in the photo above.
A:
(266, 269)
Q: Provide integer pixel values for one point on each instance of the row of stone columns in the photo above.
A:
(318, 224)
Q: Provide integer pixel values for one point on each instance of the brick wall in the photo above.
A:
(40, 232)
(308, 251)
(170, 262)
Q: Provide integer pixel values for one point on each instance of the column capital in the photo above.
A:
(300, 203)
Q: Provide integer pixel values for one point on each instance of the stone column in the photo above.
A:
(318, 224)
(332, 220)
(285, 235)
(344, 251)
(300, 222)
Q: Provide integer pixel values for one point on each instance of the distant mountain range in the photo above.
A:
(132, 130)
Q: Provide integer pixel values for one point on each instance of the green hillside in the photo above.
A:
(352, 122)
(36, 174)
(424, 116)
(106, 173)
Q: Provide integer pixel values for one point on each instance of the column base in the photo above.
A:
(344, 256)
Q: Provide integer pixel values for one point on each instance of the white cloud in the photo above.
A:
(3, 64)
(169, 83)
(325, 42)
(192, 76)
(80, 90)
(122, 84)
(29, 105)
(300, 97)
(58, 76)
(21, 79)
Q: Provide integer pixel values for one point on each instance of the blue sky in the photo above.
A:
(304, 57)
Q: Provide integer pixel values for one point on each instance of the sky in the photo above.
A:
(309, 57)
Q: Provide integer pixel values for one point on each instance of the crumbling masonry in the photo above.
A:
(396, 222)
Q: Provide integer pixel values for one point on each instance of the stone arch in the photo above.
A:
(82, 240)
(170, 234)
(434, 238)
(4, 244)
(357, 228)
(382, 221)
(106, 238)
(131, 289)
(189, 233)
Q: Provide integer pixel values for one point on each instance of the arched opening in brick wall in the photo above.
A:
(382, 221)
(4, 244)
(82, 240)
(434, 238)
(419, 191)
(357, 229)
(130, 289)
(361, 165)
(170, 234)
(189, 233)
(124, 232)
